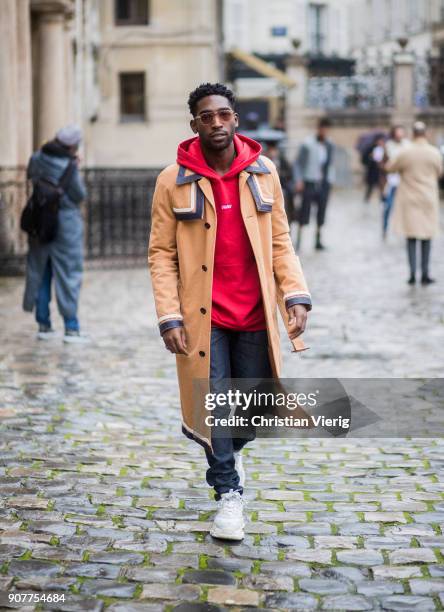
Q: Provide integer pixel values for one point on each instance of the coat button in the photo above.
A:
(204, 268)
(203, 310)
(202, 353)
(207, 225)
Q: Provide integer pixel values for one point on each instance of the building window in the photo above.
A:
(132, 96)
(317, 28)
(131, 12)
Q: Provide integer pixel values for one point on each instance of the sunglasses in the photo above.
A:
(224, 114)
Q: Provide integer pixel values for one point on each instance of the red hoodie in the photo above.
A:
(236, 298)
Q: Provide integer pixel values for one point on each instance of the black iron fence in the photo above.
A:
(372, 85)
(117, 216)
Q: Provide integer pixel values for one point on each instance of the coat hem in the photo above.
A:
(193, 435)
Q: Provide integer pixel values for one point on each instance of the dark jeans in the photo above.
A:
(233, 355)
(317, 193)
(387, 204)
(42, 313)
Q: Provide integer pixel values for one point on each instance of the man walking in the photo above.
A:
(314, 175)
(220, 259)
(416, 208)
(62, 258)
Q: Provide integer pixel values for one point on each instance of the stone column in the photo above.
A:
(8, 83)
(24, 75)
(51, 75)
(70, 109)
(404, 88)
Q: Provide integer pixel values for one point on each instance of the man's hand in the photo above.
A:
(299, 187)
(176, 340)
(297, 319)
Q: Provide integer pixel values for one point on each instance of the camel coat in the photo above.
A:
(416, 207)
(180, 258)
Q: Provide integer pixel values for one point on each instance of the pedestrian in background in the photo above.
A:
(273, 152)
(416, 207)
(396, 143)
(314, 175)
(62, 258)
(373, 159)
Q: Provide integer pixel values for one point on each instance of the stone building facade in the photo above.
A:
(123, 69)
(272, 31)
(149, 56)
(376, 25)
(36, 74)
(270, 27)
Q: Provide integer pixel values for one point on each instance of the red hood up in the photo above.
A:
(189, 154)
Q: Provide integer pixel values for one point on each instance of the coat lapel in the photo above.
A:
(200, 188)
(263, 203)
(205, 186)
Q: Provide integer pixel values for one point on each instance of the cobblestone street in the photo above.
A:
(103, 500)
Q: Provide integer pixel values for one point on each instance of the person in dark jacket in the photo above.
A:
(374, 175)
(273, 152)
(61, 259)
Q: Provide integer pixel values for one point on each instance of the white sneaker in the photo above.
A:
(75, 337)
(239, 467)
(229, 521)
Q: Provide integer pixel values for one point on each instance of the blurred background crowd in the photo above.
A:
(122, 71)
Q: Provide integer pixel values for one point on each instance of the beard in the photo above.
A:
(222, 143)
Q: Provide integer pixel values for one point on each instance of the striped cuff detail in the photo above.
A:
(298, 297)
(170, 321)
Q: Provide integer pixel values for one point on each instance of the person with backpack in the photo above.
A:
(54, 223)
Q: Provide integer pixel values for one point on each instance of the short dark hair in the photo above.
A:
(324, 122)
(209, 89)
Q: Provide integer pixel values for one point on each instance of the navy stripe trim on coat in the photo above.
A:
(261, 168)
(306, 301)
(191, 436)
(260, 204)
(198, 210)
(169, 325)
(183, 179)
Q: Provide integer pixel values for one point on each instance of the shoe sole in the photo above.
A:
(46, 338)
(223, 535)
(75, 340)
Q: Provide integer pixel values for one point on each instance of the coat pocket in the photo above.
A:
(193, 204)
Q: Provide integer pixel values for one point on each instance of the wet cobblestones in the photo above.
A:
(102, 498)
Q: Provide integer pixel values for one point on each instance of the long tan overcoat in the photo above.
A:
(416, 207)
(180, 258)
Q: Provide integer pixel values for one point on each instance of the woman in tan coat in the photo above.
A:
(416, 212)
(221, 259)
